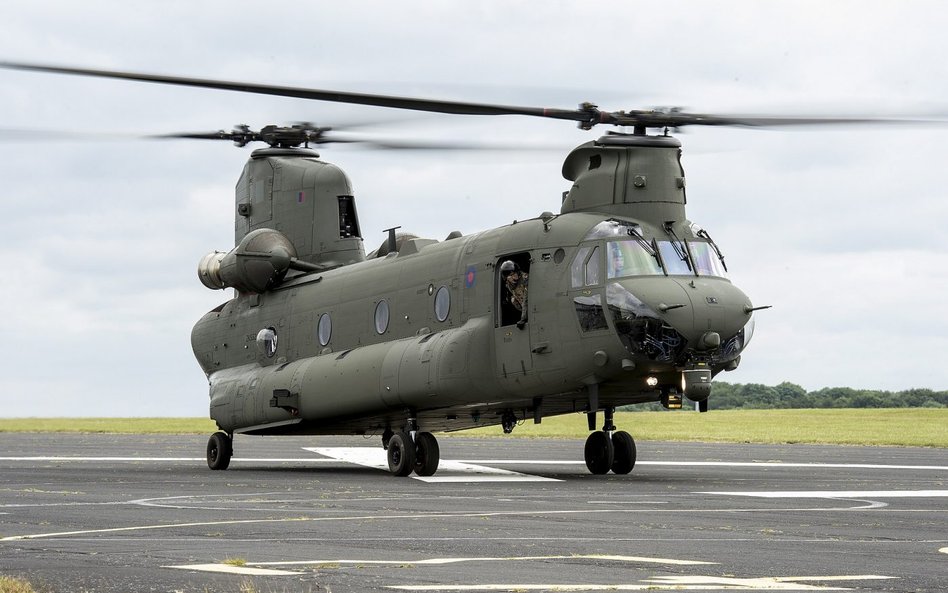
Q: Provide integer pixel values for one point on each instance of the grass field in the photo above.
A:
(917, 427)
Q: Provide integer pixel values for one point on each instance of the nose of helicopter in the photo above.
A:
(705, 311)
(718, 311)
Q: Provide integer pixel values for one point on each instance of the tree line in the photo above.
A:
(789, 395)
(754, 396)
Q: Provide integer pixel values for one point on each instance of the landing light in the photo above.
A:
(651, 381)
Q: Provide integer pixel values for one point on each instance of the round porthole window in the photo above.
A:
(324, 329)
(267, 342)
(381, 316)
(442, 304)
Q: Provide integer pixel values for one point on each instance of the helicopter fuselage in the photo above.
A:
(619, 300)
(426, 332)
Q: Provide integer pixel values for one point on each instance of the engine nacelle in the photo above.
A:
(258, 263)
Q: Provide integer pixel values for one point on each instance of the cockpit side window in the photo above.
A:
(586, 268)
(592, 268)
(577, 276)
(589, 312)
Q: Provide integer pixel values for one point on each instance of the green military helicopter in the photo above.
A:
(616, 299)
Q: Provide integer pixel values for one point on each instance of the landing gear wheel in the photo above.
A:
(401, 454)
(599, 452)
(624, 458)
(427, 454)
(219, 449)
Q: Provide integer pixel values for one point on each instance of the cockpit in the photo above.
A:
(662, 294)
(629, 253)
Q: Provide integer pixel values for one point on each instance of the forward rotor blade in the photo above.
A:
(429, 105)
(587, 115)
(774, 121)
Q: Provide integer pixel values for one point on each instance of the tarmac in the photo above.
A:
(111, 513)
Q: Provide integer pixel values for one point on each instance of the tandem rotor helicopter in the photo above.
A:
(615, 299)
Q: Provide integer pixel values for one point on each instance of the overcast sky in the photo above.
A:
(842, 231)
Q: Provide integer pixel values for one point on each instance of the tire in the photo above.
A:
(401, 454)
(219, 450)
(427, 454)
(624, 457)
(599, 453)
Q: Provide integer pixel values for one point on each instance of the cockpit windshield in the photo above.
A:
(628, 253)
(707, 261)
(675, 258)
(630, 258)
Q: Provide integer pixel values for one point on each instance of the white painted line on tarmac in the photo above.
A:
(803, 465)
(860, 494)
(480, 462)
(662, 583)
(467, 479)
(166, 459)
(808, 465)
(855, 577)
(65, 458)
(442, 561)
(416, 516)
(12, 538)
(232, 569)
(359, 518)
(375, 457)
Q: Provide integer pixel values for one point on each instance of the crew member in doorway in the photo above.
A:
(515, 283)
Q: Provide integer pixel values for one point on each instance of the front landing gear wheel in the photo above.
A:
(219, 450)
(427, 454)
(624, 459)
(401, 454)
(599, 452)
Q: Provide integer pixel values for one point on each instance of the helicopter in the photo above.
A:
(616, 299)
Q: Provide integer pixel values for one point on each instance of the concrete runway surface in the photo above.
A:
(104, 513)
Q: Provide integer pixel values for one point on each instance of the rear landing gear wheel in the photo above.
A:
(427, 454)
(624, 459)
(401, 454)
(599, 452)
(219, 450)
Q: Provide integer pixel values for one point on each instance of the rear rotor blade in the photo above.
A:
(37, 135)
